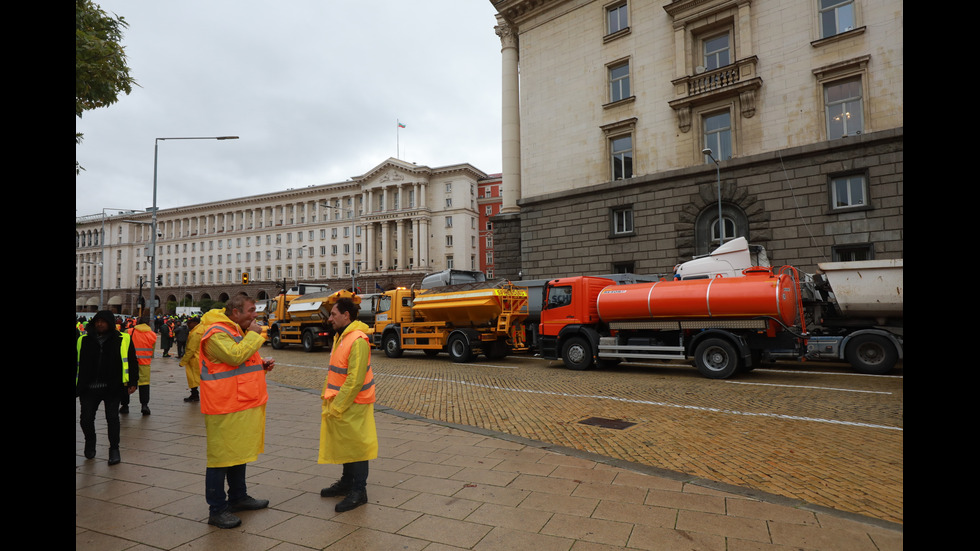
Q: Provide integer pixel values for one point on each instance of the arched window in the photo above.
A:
(707, 235)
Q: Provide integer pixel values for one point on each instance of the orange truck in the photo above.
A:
(848, 311)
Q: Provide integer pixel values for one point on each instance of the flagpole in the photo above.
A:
(398, 127)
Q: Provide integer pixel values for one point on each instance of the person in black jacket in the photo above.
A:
(102, 376)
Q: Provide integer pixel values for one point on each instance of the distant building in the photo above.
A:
(488, 205)
(608, 105)
(391, 225)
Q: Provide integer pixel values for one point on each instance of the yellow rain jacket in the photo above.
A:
(238, 437)
(191, 362)
(347, 429)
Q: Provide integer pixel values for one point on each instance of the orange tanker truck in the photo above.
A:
(727, 324)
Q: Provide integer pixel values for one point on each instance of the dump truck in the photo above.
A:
(464, 319)
(299, 316)
(847, 311)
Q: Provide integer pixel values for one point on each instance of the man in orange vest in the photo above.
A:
(144, 340)
(233, 398)
(347, 431)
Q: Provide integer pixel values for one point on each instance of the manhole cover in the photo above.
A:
(617, 424)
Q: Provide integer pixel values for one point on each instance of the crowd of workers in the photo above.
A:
(226, 376)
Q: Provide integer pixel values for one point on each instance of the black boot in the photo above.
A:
(114, 456)
(145, 399)
(339, 488)
(354, 499)
(194, 397)
(89, 449)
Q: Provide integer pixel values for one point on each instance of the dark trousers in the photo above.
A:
(90, 400)
(214, 486)
(357, 474)
(144, 391)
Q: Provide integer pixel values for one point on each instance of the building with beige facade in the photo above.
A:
(391, 225)
(609, 105)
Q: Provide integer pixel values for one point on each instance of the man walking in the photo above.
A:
(104, 358)
(347, 430)
(145, 340)
(233, 399)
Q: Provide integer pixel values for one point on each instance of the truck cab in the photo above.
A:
(569, 318)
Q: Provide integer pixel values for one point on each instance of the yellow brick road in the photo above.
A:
(816, 432)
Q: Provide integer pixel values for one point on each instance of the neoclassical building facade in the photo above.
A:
(609, 106)
(389, 226)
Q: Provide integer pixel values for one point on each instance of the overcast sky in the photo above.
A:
(313, 88)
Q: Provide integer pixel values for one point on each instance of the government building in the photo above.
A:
(386, 228)
(637, 134)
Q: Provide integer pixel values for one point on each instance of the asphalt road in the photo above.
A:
(816, 432)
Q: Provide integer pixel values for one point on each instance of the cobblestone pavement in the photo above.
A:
(814, 432)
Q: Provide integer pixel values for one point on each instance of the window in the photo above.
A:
(853, 252)
(449, 241)
(619, 81)
(449, 221)
(716, 51)
(836, 16)
(848, 192)
(729, 230)
(616, 18)
(621, 153)
(845, 111)
(622, 221)
(718, 135)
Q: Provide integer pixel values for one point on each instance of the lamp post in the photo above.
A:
(153, 216)
(721, 221)
(353, 288)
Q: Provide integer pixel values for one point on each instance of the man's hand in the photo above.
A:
(268, 363)
(131, 389)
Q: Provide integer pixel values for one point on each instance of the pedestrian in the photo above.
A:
(104, 358)
(145, 341)
(180, 336)
(233, 399)
(166, 336)
(347, 430)
(191, 360)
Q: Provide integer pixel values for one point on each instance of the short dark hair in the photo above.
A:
(345, 304)
(237, 302)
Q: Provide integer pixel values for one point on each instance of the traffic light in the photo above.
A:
(159, 280)
(244, 278)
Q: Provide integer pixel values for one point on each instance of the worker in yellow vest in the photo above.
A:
(145, 340)
(233, 400)
(348, 435)
(191, 360)
(104, 370)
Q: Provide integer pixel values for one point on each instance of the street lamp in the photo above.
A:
(353, 289)
(721, 221)
(153, 218)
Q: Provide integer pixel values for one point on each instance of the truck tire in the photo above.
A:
(871, 354)
(309, 340)
(392, 347)
(459, 349)
(716, 359)
(576, 353)
(276, 341)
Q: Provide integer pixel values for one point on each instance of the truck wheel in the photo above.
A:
(309, 341)
(871, 354)
(459, 349)
(716, 359)
(577, 354)
(277, 341)
(391, 345)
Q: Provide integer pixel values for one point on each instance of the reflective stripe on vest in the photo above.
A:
(337, 372)
(226, 388)
(123, 353)
(142, 339)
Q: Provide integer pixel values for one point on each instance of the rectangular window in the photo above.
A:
(616, 18)
(851, 253)
(718, 135)
(621, 152)
(845, 111)
(717, 51)
(449, 221)
(836, 16)
(848, 192)
(622, 221)
(619, 81)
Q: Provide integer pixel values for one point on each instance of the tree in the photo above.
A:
(101, 72)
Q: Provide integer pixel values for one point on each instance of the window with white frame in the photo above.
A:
(619, 81)
(718, 135)
(848, 191)
(716, 51)
(621, 156)
(844, 108)
(622, 221)
(617, 18)
(836, 16)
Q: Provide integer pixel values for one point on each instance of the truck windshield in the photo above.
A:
(558, 297)
(384, 304)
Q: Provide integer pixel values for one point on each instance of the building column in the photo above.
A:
(510, 117)
(402, 245)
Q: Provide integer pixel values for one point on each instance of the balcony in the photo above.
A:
(737, 79)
